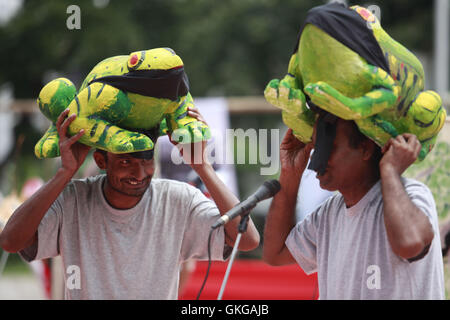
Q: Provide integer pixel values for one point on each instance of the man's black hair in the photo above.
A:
(147, 154)
(357, 137)
(152, 133)
(325, 135)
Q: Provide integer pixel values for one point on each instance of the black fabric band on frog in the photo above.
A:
(325, 135)
(166, 84)
(349, 28)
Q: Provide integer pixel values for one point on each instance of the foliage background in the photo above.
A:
(434, 171)
(229, 47)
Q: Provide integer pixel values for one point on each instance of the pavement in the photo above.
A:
(21, 287)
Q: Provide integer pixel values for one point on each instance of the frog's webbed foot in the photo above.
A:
(183, 128)
(426, 118)
(194, 131)
(427, 114)
(286, 95)
(383, 95)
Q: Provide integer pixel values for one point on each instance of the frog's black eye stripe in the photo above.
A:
(349, 28)
(167, 84)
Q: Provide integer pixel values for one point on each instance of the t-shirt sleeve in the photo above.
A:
(202, 214)
(423, 199)
(49, 229)
(302, 243)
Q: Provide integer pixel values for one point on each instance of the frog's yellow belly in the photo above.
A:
(323, 58)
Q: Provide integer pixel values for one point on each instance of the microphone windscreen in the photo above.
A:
(273, 185)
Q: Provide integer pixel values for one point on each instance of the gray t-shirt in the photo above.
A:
(127, 254)
(349, 250)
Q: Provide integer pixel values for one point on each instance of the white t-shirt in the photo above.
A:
(310, 195)
(127, 254)
(349, 250)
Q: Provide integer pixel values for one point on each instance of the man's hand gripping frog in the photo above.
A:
(124, 104)
(384, 100)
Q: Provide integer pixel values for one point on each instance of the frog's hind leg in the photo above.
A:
(104, 135)
(52, 101)
(383, 95)
(99, 109)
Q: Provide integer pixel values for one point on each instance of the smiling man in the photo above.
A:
(128, 179)
(122, 235)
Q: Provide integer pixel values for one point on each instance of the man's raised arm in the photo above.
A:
(21, 230)
(294, 157)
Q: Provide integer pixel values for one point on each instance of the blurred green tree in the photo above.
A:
(37, 42)
(231, 47)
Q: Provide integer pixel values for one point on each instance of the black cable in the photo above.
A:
(209, 264)
(446, 244)
(241, 228)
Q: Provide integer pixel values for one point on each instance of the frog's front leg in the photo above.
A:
(287, 96)
(99, 109)
(383, 95)
(183, 128)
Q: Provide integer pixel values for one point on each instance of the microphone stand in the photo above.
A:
(3, 261)
(241, 228)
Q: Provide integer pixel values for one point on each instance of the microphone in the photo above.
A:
(266, 191)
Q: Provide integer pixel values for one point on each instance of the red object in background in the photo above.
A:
(47, 279)
(252, 280)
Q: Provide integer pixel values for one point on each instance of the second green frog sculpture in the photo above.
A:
(347, 65)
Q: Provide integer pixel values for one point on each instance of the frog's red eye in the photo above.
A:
(134, 59)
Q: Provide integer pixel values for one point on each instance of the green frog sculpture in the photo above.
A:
(124, 104)
(346, 64)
